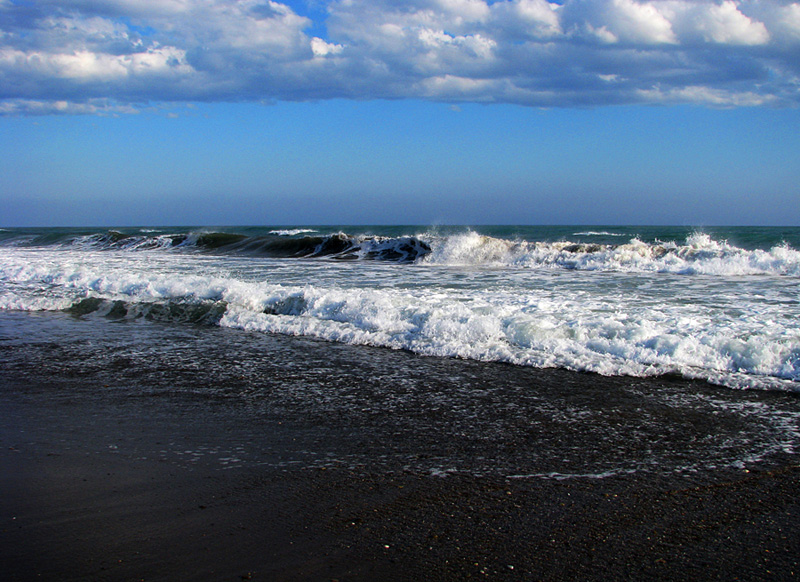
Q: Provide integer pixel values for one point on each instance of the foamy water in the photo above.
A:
(597, 300)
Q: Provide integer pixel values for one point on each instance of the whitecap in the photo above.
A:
(740, 332)
(598, 233)
(292, 232)
(698, 255)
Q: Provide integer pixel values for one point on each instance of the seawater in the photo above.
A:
(715, 304)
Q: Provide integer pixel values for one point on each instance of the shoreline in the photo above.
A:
(69, 515)
(303, 460)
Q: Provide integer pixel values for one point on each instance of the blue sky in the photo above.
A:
(123, 112)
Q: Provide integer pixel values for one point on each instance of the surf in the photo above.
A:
(699, 254)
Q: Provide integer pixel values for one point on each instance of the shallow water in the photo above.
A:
(305, 403)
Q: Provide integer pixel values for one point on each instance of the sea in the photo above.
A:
(700, 322)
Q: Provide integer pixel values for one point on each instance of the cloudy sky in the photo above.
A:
(117, 112)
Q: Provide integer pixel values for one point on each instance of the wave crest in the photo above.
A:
(278, 244)
(699, 254)
(734, 341)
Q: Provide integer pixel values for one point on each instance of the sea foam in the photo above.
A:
(291, 231)
(699, 255)
(740, 331)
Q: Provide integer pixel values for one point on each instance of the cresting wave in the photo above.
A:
(699, 254)
(291, 231)
(700, 308)
(277, 244)
(598, 233)
(718, 340)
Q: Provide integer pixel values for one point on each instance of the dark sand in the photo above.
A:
(118, 463)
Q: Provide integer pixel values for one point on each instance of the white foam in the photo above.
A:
(585, 338)
(700, 255)
(292, 232)
(597, 233)
(742, 333)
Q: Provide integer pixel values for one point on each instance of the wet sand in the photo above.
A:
(72, 516)
(127, 464)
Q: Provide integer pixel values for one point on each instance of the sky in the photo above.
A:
(226, 112)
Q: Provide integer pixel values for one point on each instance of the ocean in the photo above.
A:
(679, 339)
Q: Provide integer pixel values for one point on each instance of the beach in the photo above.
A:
(301, 459)
(428, 291)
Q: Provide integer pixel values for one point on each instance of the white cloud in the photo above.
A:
(86, 65)
(781, 21)
(527, 18)
(706, 96)
(536, 52)
(464, 10)
(639, 22)
(612, 21)
(320, 48)
(451, 87)
(62, 107)
(83, 65)
(790, 16)
(723, 23)
(603, 34)
(476, 44)
(718, 21)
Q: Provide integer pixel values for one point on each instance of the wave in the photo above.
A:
(339, 246)
(699, 254)
(292, 231)
(640, 346)
(178, 310)
(277, 244)
(598, 233)
(734, 348)
(381, 319)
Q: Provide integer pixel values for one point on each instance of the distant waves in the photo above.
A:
(697, 254)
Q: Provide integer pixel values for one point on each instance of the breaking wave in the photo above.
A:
(277, 244)
(699, 254)
(339, 246)
(729, 344)
(292, 231)
(598, 233)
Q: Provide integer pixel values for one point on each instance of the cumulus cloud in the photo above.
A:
(613, 21)
(117, 56)
(722, 23)
(535, 19)
(321, 48)
(707, 95)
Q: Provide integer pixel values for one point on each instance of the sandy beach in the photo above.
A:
(111, 519)
(74, 516)
(145, 469)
